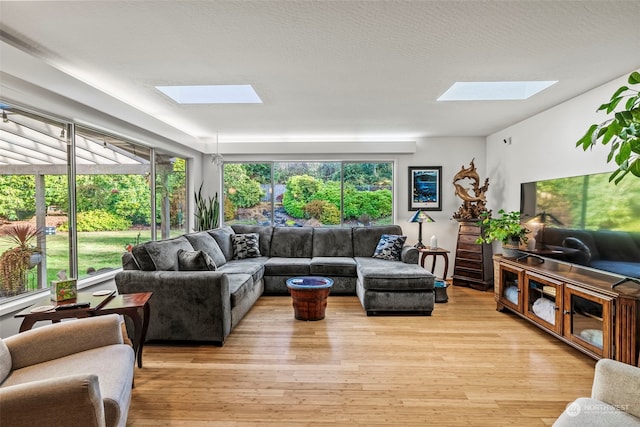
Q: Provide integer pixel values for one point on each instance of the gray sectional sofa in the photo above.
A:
(205, 305)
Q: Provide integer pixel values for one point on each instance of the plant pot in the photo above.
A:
(35, 259)
(510, 251)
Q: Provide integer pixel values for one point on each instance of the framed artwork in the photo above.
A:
(425, 188)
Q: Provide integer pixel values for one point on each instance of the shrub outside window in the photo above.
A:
(316, 194)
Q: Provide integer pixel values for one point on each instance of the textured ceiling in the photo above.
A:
(328, 70)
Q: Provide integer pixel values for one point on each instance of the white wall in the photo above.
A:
(452, 153)
(544, 146)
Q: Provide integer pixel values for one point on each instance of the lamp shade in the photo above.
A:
(421, 216)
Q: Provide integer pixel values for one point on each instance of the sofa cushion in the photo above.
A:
(113, 365)
(333, 266)
(265, 233)
(287, 267)
(203, 241)
(161, 255)
(332, 242)
(245, 245)
(195, 261)
(252, 266)
(5, 361)
(365, 239)
(223, 238)
(379, 275)
(292, 242)
(390, 247)
(239, 285)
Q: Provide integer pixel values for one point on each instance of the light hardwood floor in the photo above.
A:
(466, 365)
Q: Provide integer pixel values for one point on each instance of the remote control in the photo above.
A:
(73, 305)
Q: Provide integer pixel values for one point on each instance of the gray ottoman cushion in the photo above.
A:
(383, 275)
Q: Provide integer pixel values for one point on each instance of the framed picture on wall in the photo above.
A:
(425, 188)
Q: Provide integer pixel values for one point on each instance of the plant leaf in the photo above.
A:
(634, 167)
(619, 91)
(586, 141)
(614, 103)
(634, 78)
(624, 153)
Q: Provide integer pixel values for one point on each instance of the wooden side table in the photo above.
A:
(309, 295)
(425, 252)
(130, 305)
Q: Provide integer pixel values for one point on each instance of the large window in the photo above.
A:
(82, 232)
(317, 194)
(33, 201)
(113, 196)
(171, 195)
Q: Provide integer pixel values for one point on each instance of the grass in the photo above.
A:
(97, 249)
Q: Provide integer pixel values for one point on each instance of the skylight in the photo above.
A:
(494, 91)
(212, 94)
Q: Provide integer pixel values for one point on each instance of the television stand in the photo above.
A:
(595, 312)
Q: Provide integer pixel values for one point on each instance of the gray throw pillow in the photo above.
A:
(390, 247)
(195, 261)
(246, 245)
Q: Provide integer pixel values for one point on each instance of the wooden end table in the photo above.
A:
(425, 252)
(135, 306)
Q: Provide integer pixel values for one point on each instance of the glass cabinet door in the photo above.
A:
(510, 287)
(543, 301)
(587, 320)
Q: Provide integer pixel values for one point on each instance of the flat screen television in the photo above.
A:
(585, 220)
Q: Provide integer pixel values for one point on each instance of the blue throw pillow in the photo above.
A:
(390, 247)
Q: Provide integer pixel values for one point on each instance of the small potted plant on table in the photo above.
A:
(506, 229)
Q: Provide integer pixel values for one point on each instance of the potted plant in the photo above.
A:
(506, 229)
(16, 261)
(207, 211)
(622, 131)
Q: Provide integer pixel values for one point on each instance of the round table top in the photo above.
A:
(309, 282)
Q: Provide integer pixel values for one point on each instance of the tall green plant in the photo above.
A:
(207, 211)
(622, 131)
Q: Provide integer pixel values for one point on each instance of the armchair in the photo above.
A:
(614, 401)
(74, 373)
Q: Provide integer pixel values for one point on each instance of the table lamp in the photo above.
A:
(420, 217)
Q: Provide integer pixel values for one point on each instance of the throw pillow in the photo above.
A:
(390, 247)
(584, 255)
(245, 245)
(195, 261)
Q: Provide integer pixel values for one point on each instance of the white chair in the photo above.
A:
(614, 401)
